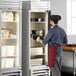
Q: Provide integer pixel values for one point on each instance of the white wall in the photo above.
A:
(59, 7)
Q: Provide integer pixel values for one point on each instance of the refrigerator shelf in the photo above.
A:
(9, 21)
(37, 47)
(37, 56)
(8, 39)
(38, 22)
(9, 57)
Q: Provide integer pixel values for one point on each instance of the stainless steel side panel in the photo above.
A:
(25, 37)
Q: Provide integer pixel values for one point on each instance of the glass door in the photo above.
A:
(9, 39)
(38, 27)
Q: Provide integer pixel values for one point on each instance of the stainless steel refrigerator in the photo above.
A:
(10, 38)
(35, 55)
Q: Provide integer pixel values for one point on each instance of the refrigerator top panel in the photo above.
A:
(12, 0)
(10, 5)
(40, 5)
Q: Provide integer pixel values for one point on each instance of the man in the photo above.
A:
(56, 36)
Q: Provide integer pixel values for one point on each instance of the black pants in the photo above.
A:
(56, 70)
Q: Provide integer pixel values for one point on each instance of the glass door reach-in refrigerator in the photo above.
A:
(10, 39)
(35, 55)
(38, 53)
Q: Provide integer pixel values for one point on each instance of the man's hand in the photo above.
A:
(39, 40)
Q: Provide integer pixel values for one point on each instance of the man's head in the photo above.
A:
(54, 19)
